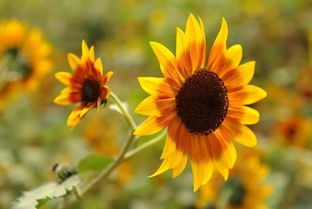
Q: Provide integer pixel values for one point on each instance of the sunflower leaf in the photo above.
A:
(94, 163)
(40, 195)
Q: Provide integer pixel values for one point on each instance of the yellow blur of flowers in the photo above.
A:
(87, 84)
(101, 135)
(245, 188)
(24, 59)
(201, 101)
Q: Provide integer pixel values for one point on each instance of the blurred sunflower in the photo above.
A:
(295, 130)
(303, 82)
(202, 103)
(245, 188)
(102, 142)
(87, 85)
(24, 59)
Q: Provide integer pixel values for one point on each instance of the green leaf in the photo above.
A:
(94, 163)
(40, 195)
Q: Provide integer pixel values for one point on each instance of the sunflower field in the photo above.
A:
(133, 104)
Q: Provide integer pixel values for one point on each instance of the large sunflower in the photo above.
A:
(87, 85)
(202, 103)
(24, 59)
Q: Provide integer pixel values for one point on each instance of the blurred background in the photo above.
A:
(33, 132)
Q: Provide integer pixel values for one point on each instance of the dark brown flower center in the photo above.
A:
(202, 102)
(90, 91)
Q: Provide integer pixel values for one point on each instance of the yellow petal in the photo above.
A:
(240, 133)
(148, 107)
(99, 66)
(67, 90)
(169, 148)
(246, 137)
(230, 154)
(63, 99)
(153, 125)
(239, 76)
(167, 61)
(202, 44)
(175, 159)
(152, 106)
(222, 168)
(180, 168)
(91, 53)
(234, 54)
(208, 169)
(193, 37)
(180, 45)
(219, 45)
(85, 110)
(64, 77)
(85, 50)
(73, 61)
(244, 114)
(155, 86)
(183, 57)
(163, 167)
(198, 174)
(74, 117)
(109, 75)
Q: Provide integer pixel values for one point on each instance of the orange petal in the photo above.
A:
(246, 95)
(194, 38)
(239, 133)
(219, 47)
(239, 76)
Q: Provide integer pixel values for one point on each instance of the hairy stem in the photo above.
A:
(127, 116)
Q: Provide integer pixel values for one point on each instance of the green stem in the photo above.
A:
(123, 155)
(145, 145)
(127, 116)
(77, 192)
(106, 172)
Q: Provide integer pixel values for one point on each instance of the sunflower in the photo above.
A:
(240, 191)
(295, 130)
(87, 85)
(201, 103)
(24, 59)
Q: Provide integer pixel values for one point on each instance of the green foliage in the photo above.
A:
(40, 195)
(94, 163)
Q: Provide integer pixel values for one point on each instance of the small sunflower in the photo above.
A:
(240, 191)
(24, 59)
(87, 85)
(202, 103)
(295, 130)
